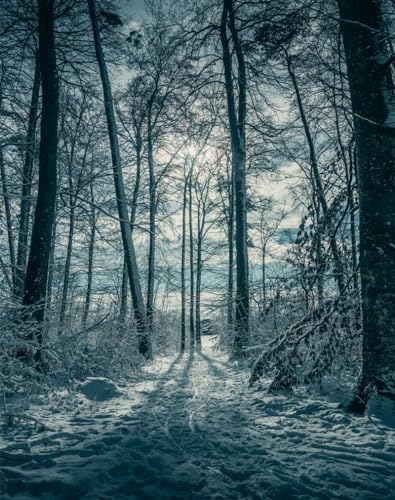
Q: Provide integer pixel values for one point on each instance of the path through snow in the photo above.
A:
(192, 430)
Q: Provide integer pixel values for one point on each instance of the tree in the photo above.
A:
(145, 347)
(236, 117)
(92, 236)
(135, 98)
(191, 261)
(35, 289)
(204, 208)
(372, 95)
(183, 251)
(226, 192)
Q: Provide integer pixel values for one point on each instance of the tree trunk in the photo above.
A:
(191, 270)
(27, 179)
(183, 245)
(199, 267)
(90, 260)
(51, 264)
(35, 289)
(123, 308)
(236, 117)
(145, 347)
(372, 97)
(124, 288)
(66, 272)
(264, 280)
(152, 225)
(230, 308)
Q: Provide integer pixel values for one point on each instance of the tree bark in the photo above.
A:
(91, 249)
(183, 251)
(191, 265)
(145, 347)
(35, 289)
(230, 308)
(199, 268)
(66, 272)
(236, 117)
(51, 264)
(152, 224)
(372, 96)
(124, 288)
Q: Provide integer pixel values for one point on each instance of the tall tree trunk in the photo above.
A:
(35, 289)
(263, 280)
(123, 307)
(199, 267)
(145, 347)
(230, 308)
(372, 96)
(66, 272)
(183, 248)
(91, 249)
(320, 262)
(51, 264)
(27, 180)
(191, 269)
(236, 117)
(124, 288)
(152, 224)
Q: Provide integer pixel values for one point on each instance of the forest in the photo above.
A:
(197, 249)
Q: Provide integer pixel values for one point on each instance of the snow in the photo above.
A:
(191, 429)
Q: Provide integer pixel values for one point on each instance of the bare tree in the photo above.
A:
(236, 117)
(372, 94)
(35, 290)
(183, 252)
(145, 347)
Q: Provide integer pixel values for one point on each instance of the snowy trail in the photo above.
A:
(192, 430)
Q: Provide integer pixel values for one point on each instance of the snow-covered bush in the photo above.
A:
(101, 349)
(20, 379)
(325, 341)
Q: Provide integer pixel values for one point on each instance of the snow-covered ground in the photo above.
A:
(191, 429)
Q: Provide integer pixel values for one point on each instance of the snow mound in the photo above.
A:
(99, 389)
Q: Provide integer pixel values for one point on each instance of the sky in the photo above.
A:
(133, 10)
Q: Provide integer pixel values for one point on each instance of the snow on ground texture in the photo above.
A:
(192, 430)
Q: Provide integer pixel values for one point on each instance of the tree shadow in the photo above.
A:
(213, 366)
(165, 376)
